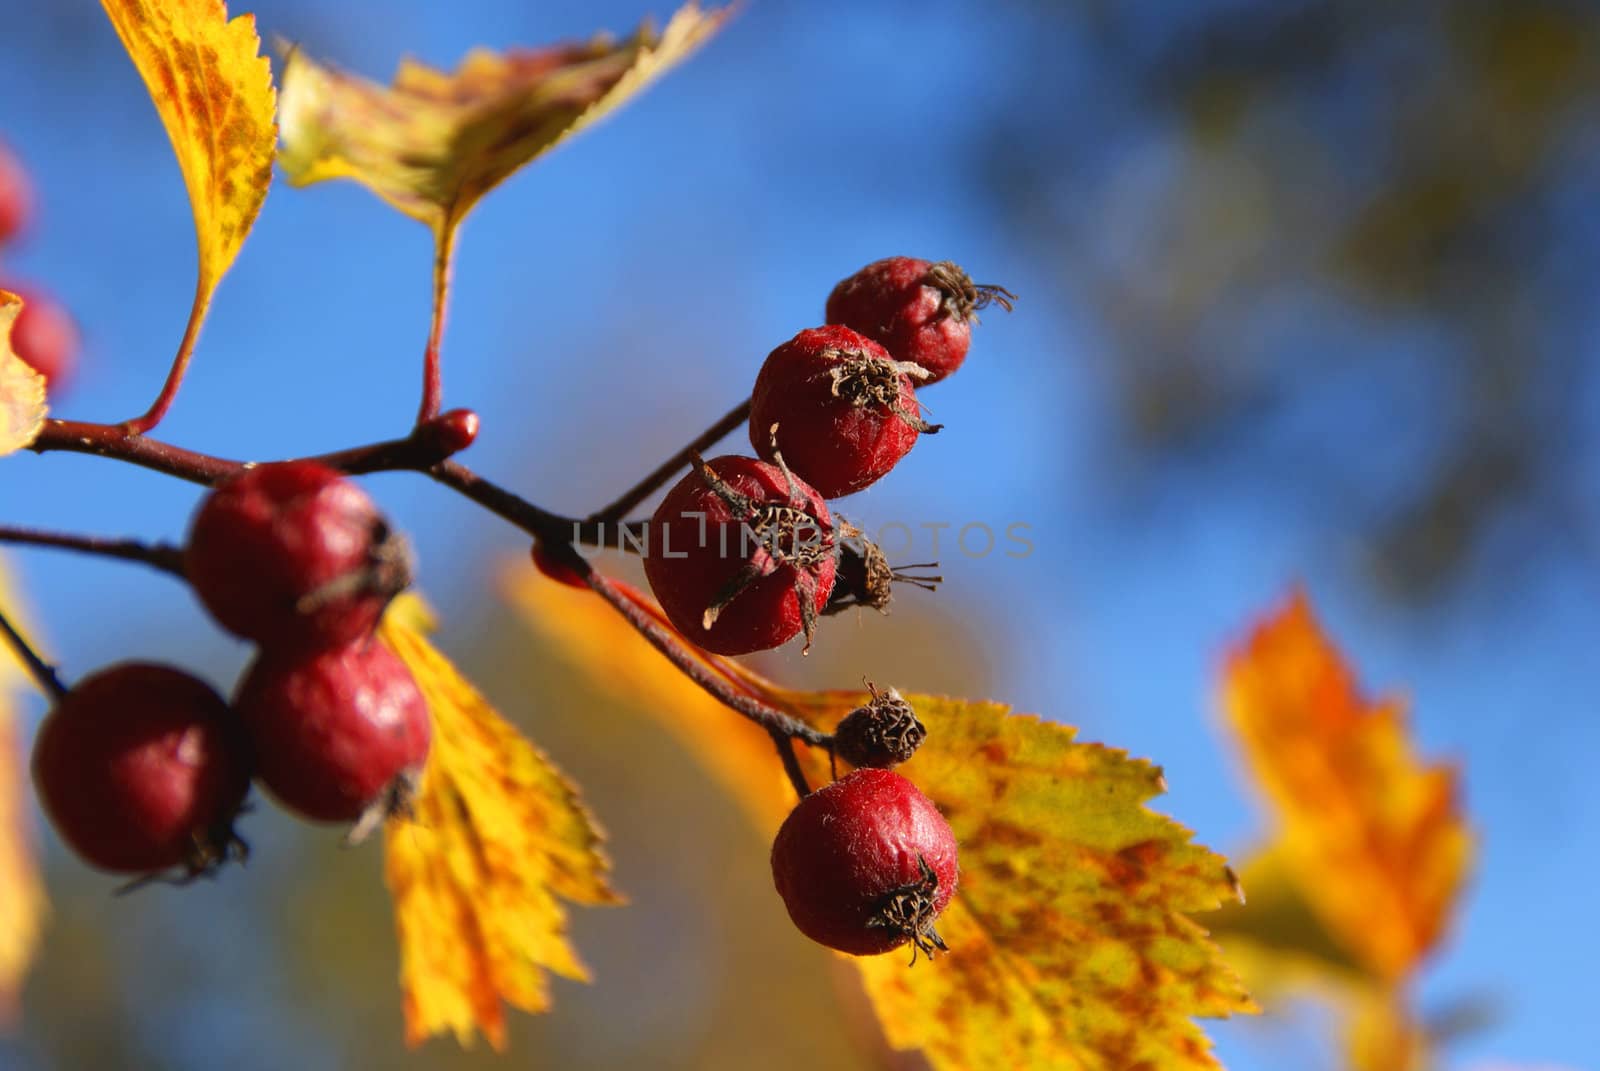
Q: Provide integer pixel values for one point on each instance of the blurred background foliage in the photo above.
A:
(1306, 294)
(1263, 205)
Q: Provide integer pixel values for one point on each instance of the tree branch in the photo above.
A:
(115, 442)
(423, 451)
(43, 672)
(162, 556)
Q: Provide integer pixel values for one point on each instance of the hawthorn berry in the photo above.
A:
(866, 864)
(883, 733)
(293, 554)
(16, 195)
(141, 768)
(920, 312)
(45, 337)
(340, 734)
(742, 555)
(838, 407)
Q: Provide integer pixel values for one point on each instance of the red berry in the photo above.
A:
(338, 735)
(294, 555)
(866, 864)
(556, 569)
(844, 412)
(921, 312)
(742, 555)
(46, 338)
(142, 767)
(16, 195)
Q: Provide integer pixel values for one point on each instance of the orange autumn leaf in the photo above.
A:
(434, 142)
(23, 906)
(1071, 939)
(498, 839)
(22, 405)
(213, 91)
(1371, 836)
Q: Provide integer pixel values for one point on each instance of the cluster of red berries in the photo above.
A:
(744, 554)
(44, 335)
(143, 768)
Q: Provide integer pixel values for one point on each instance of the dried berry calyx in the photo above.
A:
(865, 577)
(742, 555)
(840, 410)
(963, 297)
(866, 865)
(142, 769)
(293, 554)
(883, 733)
(910, 912)
(922, 312)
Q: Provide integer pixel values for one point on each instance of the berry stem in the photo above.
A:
(791, 764)
(162, 556)
(511, 507)
(680, 654)
(43, 672)
(180, 364)
(444, 244)
(673, 466)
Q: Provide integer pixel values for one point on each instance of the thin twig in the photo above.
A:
(162, 556)
(43, 672)
(676, 649)
(673, 465)
(444, 241)
(115, 442)
(511, 507)
(180, 363)
(791, 764)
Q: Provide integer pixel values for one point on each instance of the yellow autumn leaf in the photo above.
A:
(498, 838)
(23, 906)
(434, 142)
(22, 406)
(1372, 837)
(213, 91)
(1070, 936)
